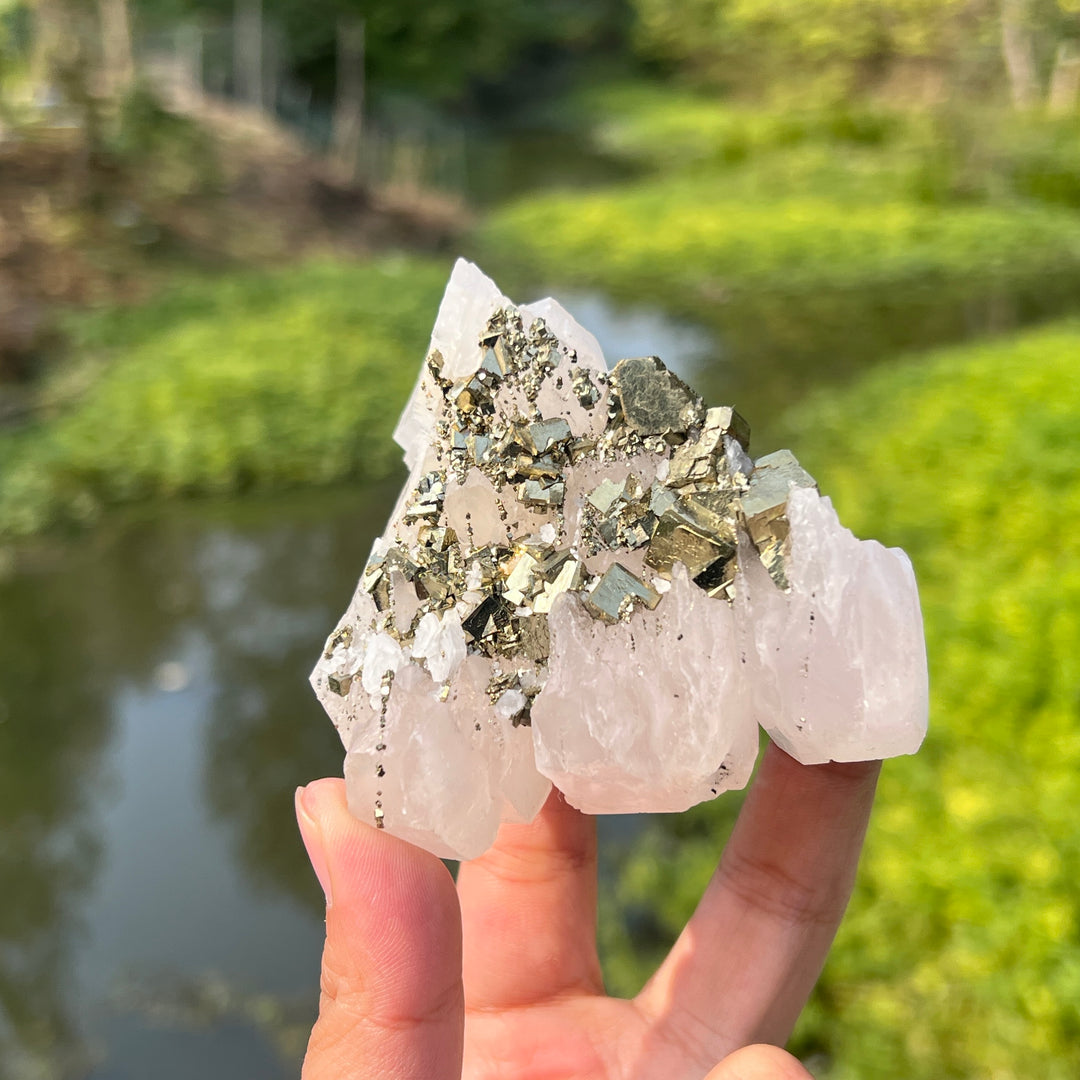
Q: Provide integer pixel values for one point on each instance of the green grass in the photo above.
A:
(960, 956)
(256, 380)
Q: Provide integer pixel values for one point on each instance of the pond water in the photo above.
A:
(157, 913)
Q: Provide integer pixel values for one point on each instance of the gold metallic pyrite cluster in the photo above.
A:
(703, 493)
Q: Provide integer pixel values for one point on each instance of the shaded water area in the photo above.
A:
(157, 909)
(157, 913)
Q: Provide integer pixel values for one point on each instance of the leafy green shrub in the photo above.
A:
(947, 155)
(249, 381)
(797, 287)
(960, 956)
(985, 155)
(1041, 160)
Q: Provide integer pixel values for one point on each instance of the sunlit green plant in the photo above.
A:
(255, 380)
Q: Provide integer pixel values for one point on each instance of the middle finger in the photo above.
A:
(528, 910)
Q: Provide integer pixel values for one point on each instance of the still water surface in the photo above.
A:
(157, 914)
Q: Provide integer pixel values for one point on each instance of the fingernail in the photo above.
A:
(311, 834)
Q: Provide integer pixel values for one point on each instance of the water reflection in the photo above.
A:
(51, 743)
(267, 603)
(642, 331)
(156, 721)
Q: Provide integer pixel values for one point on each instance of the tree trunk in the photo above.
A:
(189, 48)
(271, 68)
(58, 53)
(348, 121)
(248, 52)
(1019, 52)
(1065, 80)
(64, 73)
(118, 64)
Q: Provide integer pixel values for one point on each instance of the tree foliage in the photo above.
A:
(433, 48)
(844, 46)
(740, 42)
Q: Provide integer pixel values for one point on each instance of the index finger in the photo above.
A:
(392, 1003)
(746, 962)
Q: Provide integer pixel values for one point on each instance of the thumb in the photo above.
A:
(761, 1062)
(392, 1004)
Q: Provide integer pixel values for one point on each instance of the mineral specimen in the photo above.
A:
(588, 582)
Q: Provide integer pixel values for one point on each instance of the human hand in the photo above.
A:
(499, 977)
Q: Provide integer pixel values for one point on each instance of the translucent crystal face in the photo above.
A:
(588, 581)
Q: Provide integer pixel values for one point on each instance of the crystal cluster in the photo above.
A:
(587, 581)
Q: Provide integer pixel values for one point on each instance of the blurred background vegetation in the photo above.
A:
(224, 230)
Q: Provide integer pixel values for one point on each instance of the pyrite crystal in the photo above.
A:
(587, 581)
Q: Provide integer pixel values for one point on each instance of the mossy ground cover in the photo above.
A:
(960, 956)
(247, 381)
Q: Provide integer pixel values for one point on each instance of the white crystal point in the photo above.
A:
(338, 675)
(583, 351)
(841, 660)
(654, 714)
(444, 774)
(470, 297)
(431, 791)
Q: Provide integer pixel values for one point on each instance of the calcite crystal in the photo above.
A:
(587, 581)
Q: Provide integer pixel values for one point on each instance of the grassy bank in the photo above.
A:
(255, 380)
(798, 288)
(961, 953)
